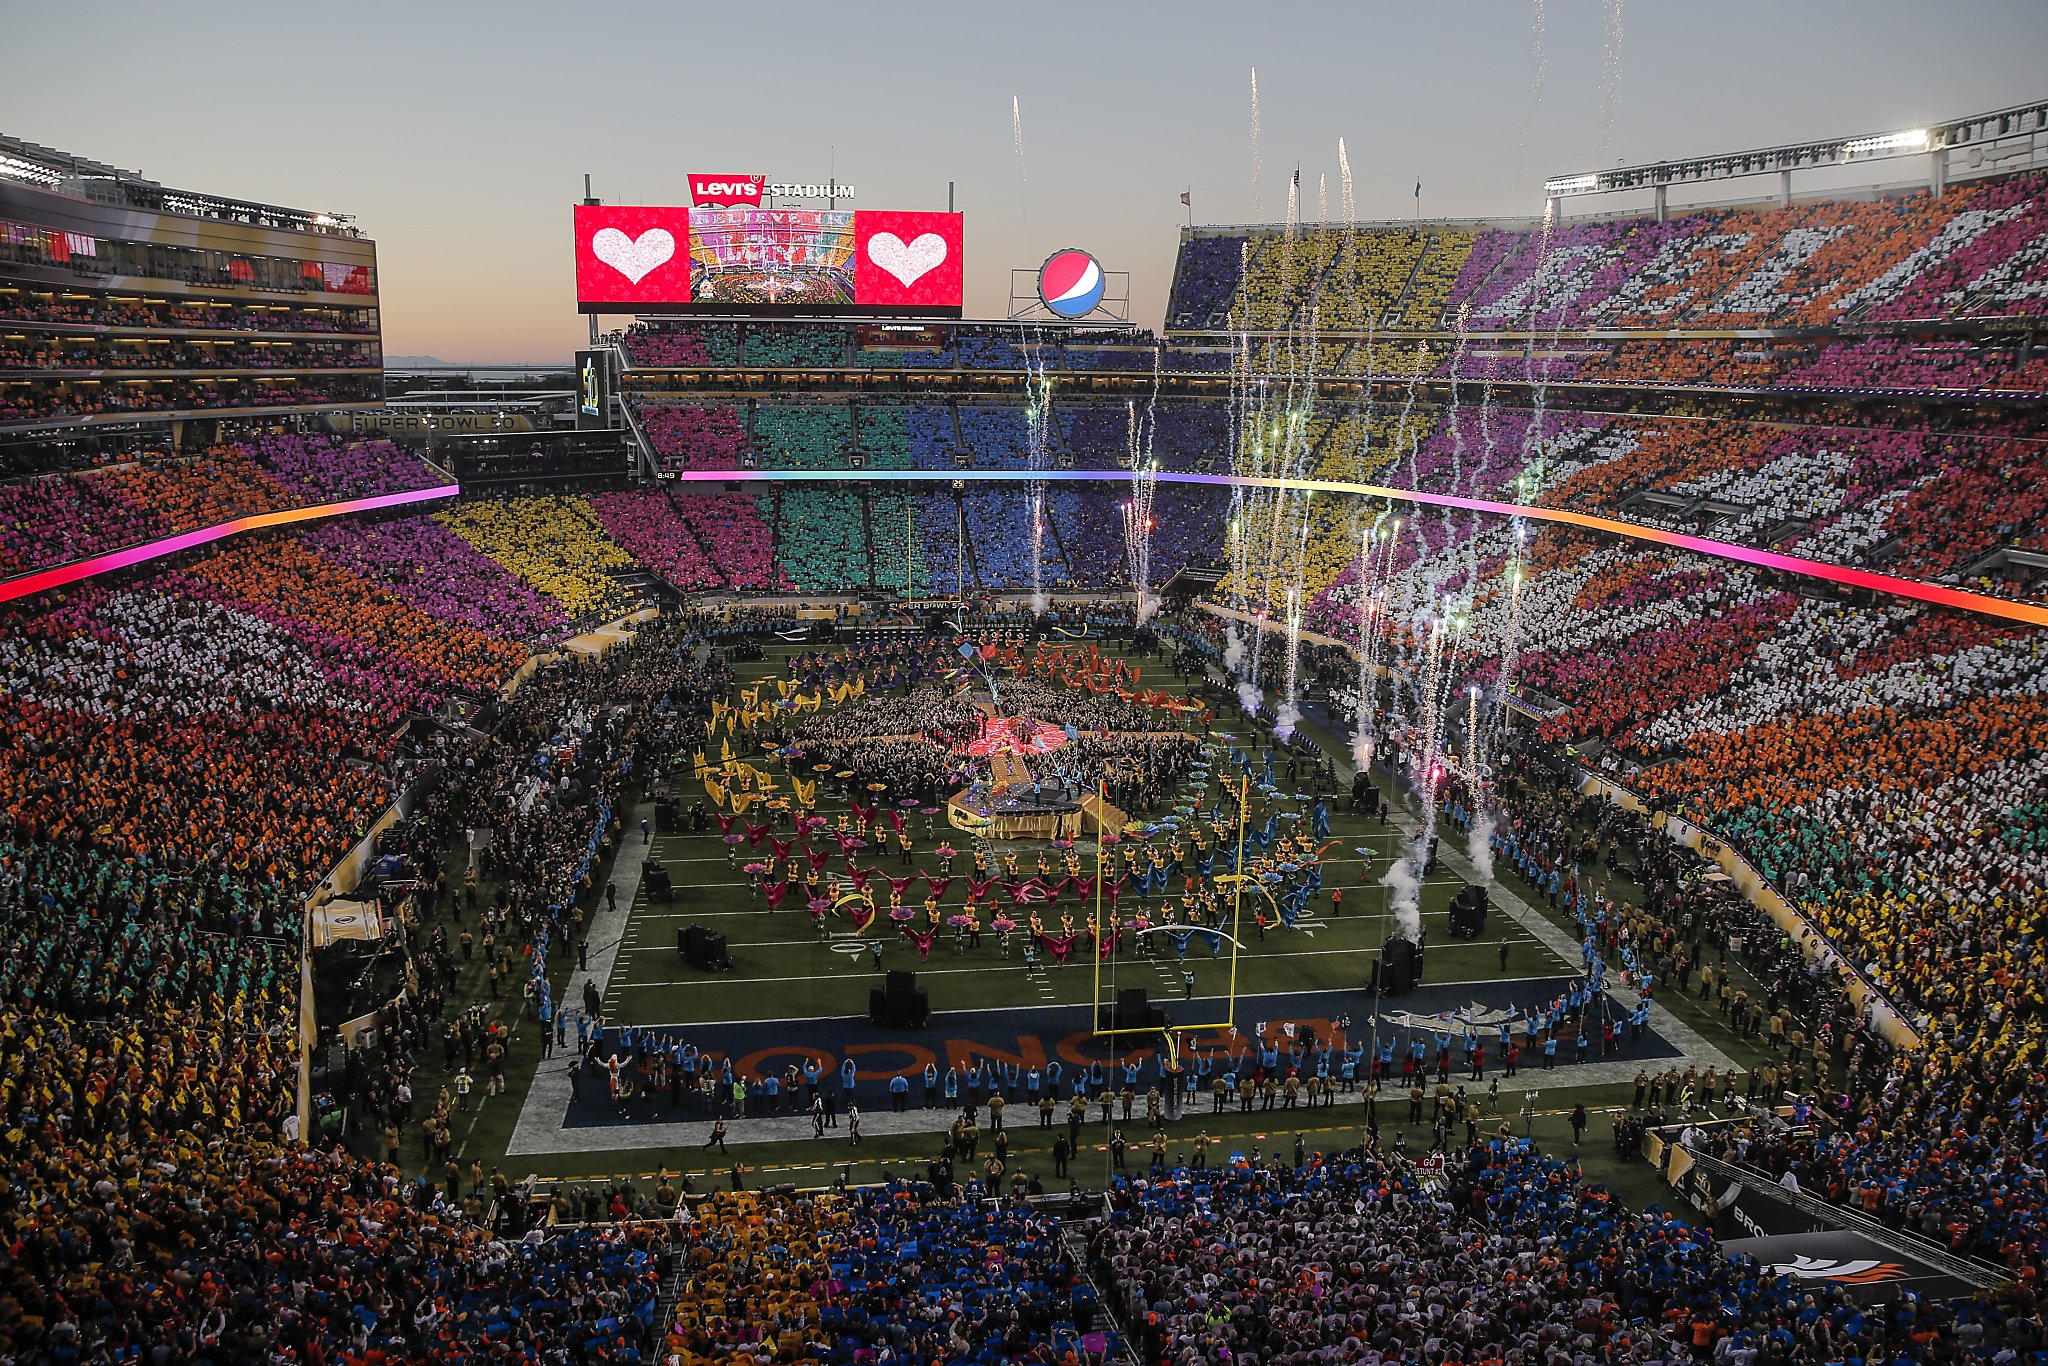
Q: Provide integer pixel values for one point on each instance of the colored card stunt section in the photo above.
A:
(1768, 559)
(44, 580)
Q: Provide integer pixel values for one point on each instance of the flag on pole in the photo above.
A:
(1185, 200)
(1418, 189)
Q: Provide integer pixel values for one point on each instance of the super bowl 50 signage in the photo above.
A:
(593, 390)
(647, 258)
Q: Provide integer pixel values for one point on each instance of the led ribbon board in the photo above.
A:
(45, 579)
(1980, 603)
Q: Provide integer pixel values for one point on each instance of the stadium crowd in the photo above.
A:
(54, 520)
(188, 751)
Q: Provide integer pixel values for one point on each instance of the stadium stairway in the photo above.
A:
(708, 551)
(867, 532)
(672, 1283)
(1074, 1234)
(973, 563)
(1059, 548)
(1399, 303)
(640, 441)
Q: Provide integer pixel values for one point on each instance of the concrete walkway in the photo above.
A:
(539, 1129)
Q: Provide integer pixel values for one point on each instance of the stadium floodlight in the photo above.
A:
(1886, 144)
(2018, 123)
(1571, 184)
(16, 169)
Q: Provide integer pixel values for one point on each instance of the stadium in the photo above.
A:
(1472, 791)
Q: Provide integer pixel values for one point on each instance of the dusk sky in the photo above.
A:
(458, 134)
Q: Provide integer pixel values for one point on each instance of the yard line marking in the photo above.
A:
(1360, 912)
(729, 979)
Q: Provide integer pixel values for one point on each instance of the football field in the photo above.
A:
(797, 992)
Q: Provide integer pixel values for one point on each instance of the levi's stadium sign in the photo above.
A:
(726, 189)
(748, 189)
(835, 190)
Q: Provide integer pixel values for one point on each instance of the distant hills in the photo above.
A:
(419, 362)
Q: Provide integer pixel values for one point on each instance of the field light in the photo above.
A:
(1905, 141)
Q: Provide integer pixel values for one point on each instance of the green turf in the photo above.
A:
(783, 971)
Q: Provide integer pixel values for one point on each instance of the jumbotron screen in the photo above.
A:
(648, 259)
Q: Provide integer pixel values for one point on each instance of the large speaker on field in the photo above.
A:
(1131, 1011)
(1398, 969)
(654, 878)
(911, 1010)
(900, 984)
(702, 948)
(1468, 912)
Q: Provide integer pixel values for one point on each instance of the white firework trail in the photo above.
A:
(1530, 482)
(1239, 527)
(1439, 664)
(1485, 458)
(1610, 78)
(1258, 163)
(1289, 714)
(1017, 145)
(1539, 66)
(1515, 574)
(1378, 545)
(1349, 202)
(1452, 417)
(1038, 420)
(1138, 519)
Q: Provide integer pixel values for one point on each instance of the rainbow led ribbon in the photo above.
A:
(45, 579)
(1980, 603)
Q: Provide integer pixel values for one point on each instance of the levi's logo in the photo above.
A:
(725, 189)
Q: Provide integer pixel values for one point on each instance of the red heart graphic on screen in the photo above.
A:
(921, 256)
(633, 258)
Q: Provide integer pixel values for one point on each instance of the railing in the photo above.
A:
(1813, 941)
(1972, 1271)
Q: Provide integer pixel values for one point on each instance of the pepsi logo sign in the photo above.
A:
(1070, 283)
